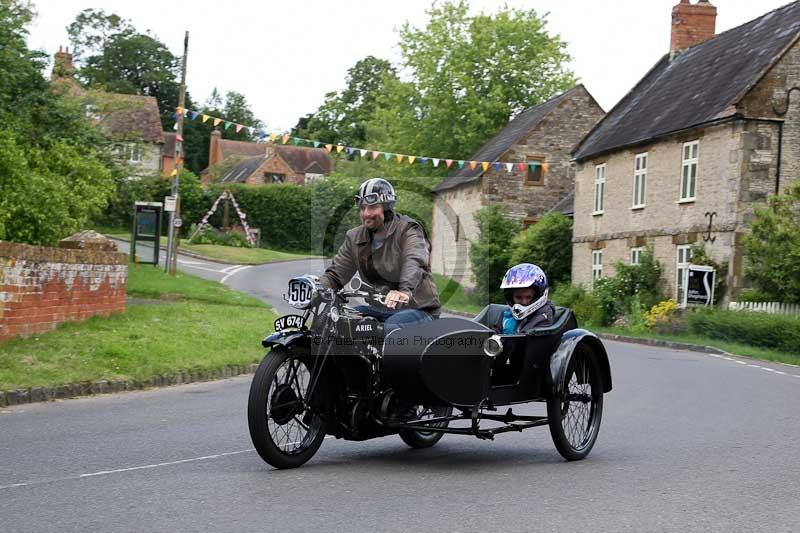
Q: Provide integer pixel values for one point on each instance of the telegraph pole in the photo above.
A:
(175, 216)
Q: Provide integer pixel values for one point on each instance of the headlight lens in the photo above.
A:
(302, 291)
(493, 346)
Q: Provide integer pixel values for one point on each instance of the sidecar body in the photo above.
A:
(458, 362)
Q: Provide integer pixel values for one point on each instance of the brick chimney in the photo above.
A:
(691, 24)
(62, 64)
(214, 150)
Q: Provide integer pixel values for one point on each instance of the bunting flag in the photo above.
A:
(498, 166)
(179, 138)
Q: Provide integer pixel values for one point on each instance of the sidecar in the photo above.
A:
(463, 363)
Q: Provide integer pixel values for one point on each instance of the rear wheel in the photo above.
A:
(419, 439)
(285, 432)
(574, 413)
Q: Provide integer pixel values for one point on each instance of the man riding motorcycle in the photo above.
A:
(390, 252)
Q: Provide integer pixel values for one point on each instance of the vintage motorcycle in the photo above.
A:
(333, 371)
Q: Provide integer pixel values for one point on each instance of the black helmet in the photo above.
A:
(376, 191)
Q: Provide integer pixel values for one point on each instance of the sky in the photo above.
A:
(284, 56)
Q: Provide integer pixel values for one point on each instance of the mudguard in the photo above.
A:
(569, 343)
(287, 338)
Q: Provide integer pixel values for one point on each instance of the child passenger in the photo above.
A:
(525, 289)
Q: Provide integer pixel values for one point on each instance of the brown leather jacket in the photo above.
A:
(402, 263)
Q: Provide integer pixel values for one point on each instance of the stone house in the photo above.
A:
(131, 121)
(259, 163)
(543, 134)
(708, 132)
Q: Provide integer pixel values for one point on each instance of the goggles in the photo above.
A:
(373, 198)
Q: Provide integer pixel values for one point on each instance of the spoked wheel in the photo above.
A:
(574, 414)
(425, 439)
(285, 432)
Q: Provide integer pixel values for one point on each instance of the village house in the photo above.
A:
(544, 135)
(707, 133)
(131, 121)
(259, 163)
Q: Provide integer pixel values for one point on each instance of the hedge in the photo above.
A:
(780, 332)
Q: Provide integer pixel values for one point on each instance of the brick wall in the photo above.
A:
(40, 287)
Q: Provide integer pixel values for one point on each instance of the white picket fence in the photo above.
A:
(777, 308)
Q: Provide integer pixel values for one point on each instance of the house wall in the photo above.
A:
(150, 162)
(448, 256)
(40, 287)
(736, 167)
(769, 97)
(277, 165)
(552, 139)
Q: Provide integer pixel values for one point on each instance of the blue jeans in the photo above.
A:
(393, 320)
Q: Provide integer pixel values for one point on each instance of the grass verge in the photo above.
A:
(730, 347)
(208, 327)
(228, 254)
(453, 297)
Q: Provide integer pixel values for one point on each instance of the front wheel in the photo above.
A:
(575, 412)
(419, 439)
(285, 432)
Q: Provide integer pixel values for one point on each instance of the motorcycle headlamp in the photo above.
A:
(302, 291)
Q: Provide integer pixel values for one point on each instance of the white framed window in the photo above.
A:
(599, 188)
(636, 255)
(683, 258)
(691, 154)
(639, 180)
(130, 152)
(597, 264)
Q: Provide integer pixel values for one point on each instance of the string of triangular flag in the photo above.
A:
(285, 138)
(242, 217)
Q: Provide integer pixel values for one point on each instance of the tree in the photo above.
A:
(490, 254)
(343, 116)
(773, 247)
(468, 76)
(548, 244)
(91, 30)
(116, 58)
(54, 168)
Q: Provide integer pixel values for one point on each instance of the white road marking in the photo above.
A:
(232, 272)
(203, 268)
(184, 262)
(228, 269)
(134, 468)
(169, 463)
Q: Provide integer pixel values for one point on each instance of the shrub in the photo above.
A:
(615, 294)
(781, 332)
(753, 295)
(490, 253)
(583, 303)
(773, 248)
(663, 317)
(209, 235)
(548, 244)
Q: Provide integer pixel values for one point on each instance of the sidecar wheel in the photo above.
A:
(425, 439)
(284, 431)
(574, 414)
